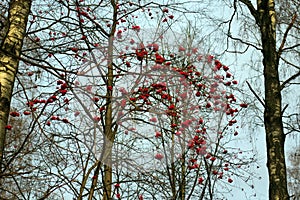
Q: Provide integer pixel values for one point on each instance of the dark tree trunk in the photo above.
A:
(272, 114)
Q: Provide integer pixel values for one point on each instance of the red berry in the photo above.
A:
(8, 127)
(244, 105)
(159, 156)
(26, 113)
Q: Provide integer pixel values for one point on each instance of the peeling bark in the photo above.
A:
(265, 17)
(272, 114)
(10, 52)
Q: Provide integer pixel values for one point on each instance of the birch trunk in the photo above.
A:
(272, 114)
(10, 52)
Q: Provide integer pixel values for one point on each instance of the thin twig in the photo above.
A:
(251, 8)
(285, 107)
(256, 95)
(289, 63)
(286, 34)
(289, 80)
(247, 43)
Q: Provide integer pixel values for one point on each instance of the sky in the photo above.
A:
(253, 137)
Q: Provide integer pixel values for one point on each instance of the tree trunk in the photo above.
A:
(272, 115)
(9, 60)
(109, 133)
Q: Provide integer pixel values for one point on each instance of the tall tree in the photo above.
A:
(265, 34)
(79, 55)
(272, 31)
(266, 19)
(265, 15)
(10, 52)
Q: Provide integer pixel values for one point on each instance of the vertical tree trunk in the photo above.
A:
(107, 194)
(109, 134)
(272, 115)
(10, 51)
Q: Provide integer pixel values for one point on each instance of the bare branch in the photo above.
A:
(247, 43)
(289, 80)
(251, 8)
(256, 95)
(289, 63)
(291, 47)
(286, 34)
(285, 107)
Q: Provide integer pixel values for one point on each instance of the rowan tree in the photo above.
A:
(83, 83)
(177, 103)
(266, 32)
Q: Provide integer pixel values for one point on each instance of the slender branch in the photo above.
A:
(256, 95)
(285, 107)
(286, 34)
(289, 63)
(291, 47)
(254, 13)
(247, 43)
(251, 8)
(289, 80)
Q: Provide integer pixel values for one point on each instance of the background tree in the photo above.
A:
(76, 57)
(293, 175)
(270, 34)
